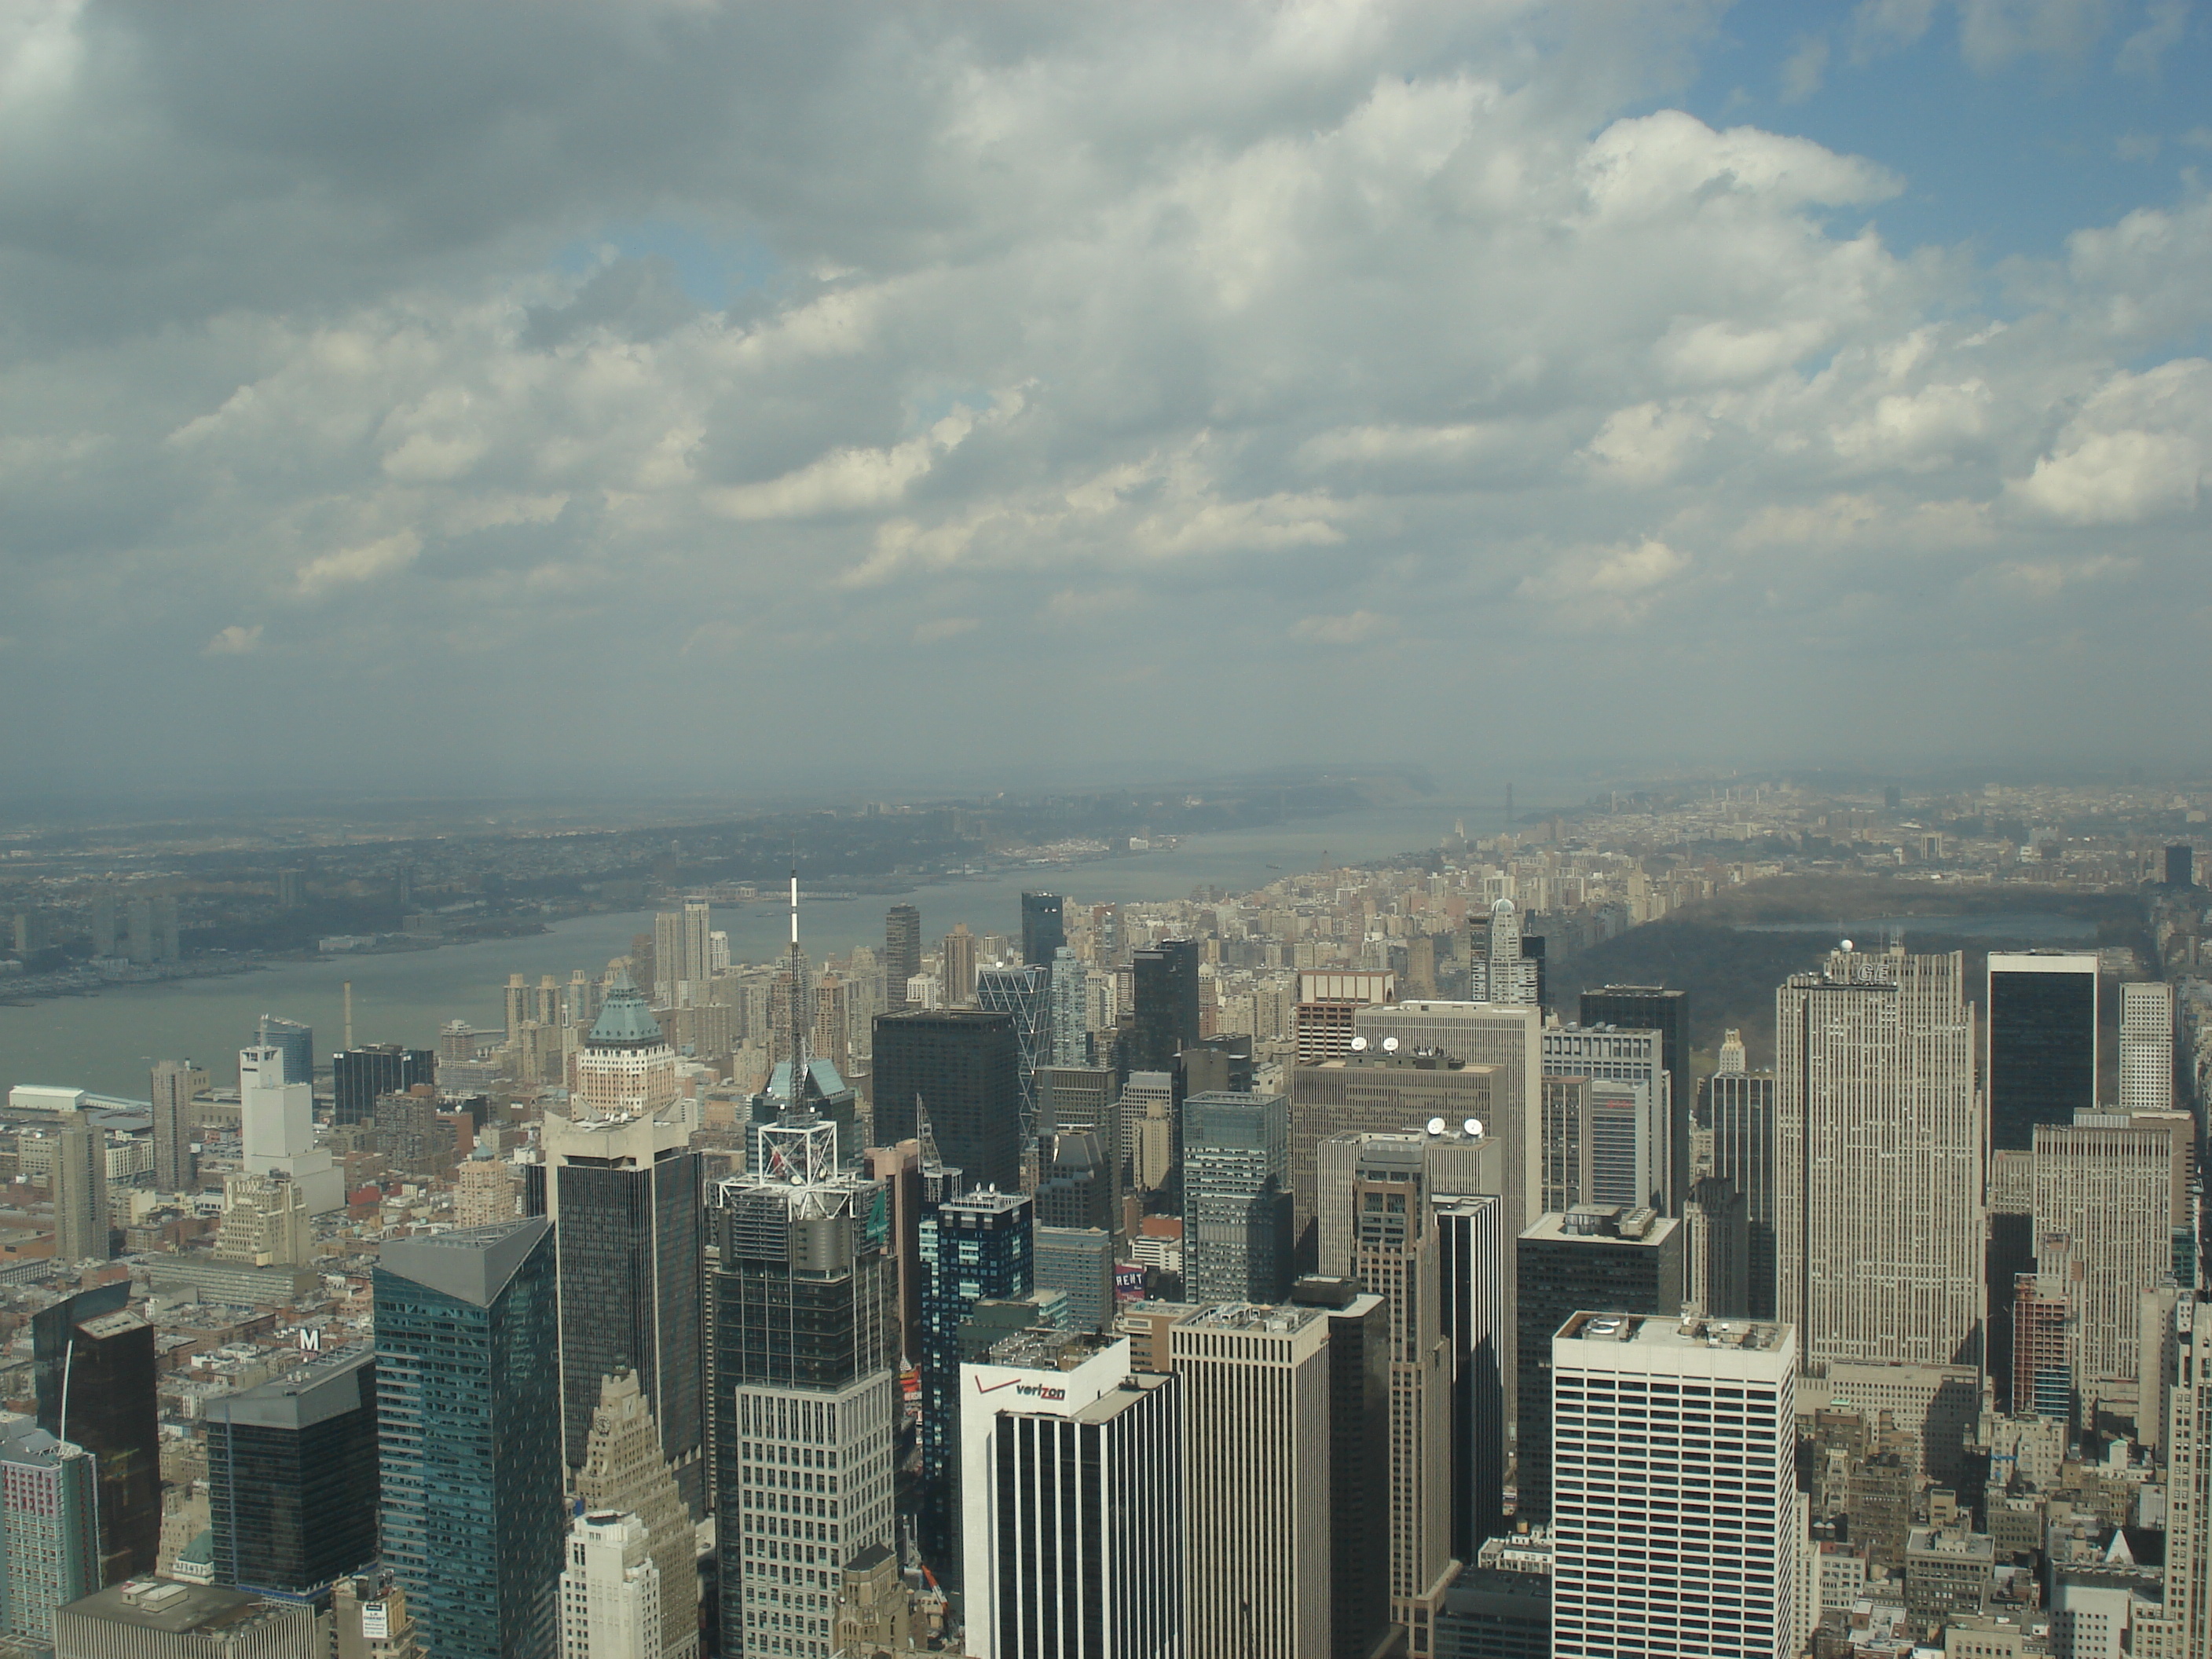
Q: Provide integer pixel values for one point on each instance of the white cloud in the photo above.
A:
(1354, 628)
(365, 563)
(2138, 451)
(1805, 69)
(235, 640)
(1647, 445)
(2046, 579)
(938, 629)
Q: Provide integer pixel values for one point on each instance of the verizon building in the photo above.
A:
(1072, 1540)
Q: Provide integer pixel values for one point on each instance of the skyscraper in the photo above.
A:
(1509, 973)
(1071, 1535)
(976, 1247)
(1655, 1008)
(964, 1067)
(626, 1065)
(902, 953)
(176, 1169)
(470, 1432)
(93, 1363)
(1392, 1249)
(610, 1590)
(2180, 866)
(1878, 1142)
(296, 1042)
(958, 953)
(1164, 987)
(1236, 1197)
(2183, 1628)
(49, 1505)
(1371, 1090)
(1675, 1519)
(668, 957)
(78, 1181)
(1043, 932)
(624, 1472)
(1636, 1151)
(2042, 1011)
(1254, 1461)
(360, 1077)
(1740, 1114)
(1024, 995)
(276, 1128)
(1078, 1263)
(1070, 1018)
(804, 1395)
(1587, 1258)
(2147, 1046)
(2110, 1194)
(625, 1195)
(292, 1476)
(1476, 1256)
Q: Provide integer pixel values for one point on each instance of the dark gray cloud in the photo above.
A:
(573, 393)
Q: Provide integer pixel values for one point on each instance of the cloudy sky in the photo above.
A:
(545, 397)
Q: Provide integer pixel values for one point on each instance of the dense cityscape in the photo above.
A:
(1352, 1265)
(1230, 830)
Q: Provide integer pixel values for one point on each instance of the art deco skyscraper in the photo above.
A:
(2183, 1627)
(626, 1065)
(624, 1472)
(1392, 1249)
(1878, 1147)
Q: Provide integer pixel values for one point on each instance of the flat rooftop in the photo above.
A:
(1652, 1331)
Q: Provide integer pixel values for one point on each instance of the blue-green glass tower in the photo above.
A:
(469, 1397)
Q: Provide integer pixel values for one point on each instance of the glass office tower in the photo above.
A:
(292, 1476)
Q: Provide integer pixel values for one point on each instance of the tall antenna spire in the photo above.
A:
(795, 1102)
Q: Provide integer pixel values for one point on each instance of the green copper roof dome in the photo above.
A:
(624, 1019)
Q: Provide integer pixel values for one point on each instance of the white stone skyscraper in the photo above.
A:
(276, 1122)
(1510, 976)
(1878, 1143)
(1071, 1527)
(2147, 1046)
(610, 1590)
(1676, 1522)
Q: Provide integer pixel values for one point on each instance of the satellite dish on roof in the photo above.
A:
(1473, 1126)
(1436, 1126)
(1358, 1045)
(1389, 1045)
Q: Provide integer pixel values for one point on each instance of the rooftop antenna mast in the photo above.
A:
(795, 1102)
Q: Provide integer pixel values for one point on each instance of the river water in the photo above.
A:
(108, 1042)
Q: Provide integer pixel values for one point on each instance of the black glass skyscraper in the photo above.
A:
(358, 1076)
(1165, 992)
(1566, 1264)
(469, 1387)
(1655, 1008)
(1043, 931)
(292, 1476)
(2180, 866)
(627, 1238)
(2043, 1042)
(977, 1248)
(92, 1363)
(964, 1066)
